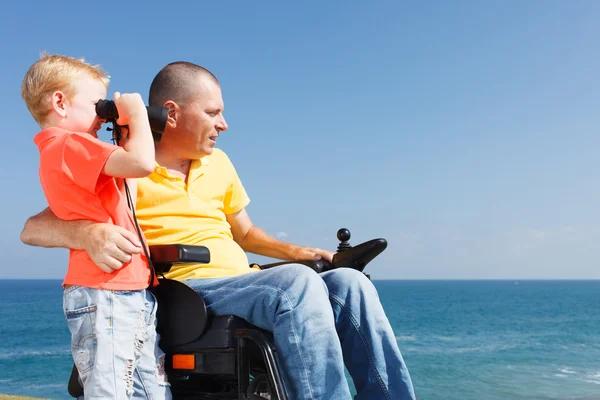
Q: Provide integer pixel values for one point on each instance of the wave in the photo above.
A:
(567, 370)
(34, 353)
(593, 377)
(407, 338)
(487, 348)
(448, 338)
(48, 386)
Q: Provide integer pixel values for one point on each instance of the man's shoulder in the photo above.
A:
(218, 154)
(218, 157)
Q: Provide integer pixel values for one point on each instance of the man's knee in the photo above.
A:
(344, 281)
(303, 278)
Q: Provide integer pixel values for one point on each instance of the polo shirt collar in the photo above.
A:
(48, 133)
(195, 167)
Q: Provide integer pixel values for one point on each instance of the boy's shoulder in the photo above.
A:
(56, 132)
(72, 150)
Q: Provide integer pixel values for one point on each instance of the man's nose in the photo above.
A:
(222, 124)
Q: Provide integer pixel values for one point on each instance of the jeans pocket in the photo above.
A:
(81, 322)
(71, 288)
(126, 292)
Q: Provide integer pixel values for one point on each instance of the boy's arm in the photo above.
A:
(109, 246)
(90, 163)
(132, 184)
(136, 158)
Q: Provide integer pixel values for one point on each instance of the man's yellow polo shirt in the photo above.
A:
(170, 210)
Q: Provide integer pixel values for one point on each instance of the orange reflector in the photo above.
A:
(184, 361)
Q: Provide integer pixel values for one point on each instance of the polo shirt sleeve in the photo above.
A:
(83, 160)
(236, 197)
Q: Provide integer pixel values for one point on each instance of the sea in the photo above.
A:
(462, 340)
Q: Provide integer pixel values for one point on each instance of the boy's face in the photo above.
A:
(80, 109)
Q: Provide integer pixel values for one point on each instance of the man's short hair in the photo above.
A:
(51, 73)
(173, 82)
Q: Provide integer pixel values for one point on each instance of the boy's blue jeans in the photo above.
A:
(319, 322)
(114, 343)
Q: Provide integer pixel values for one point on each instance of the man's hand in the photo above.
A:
(110, 246)
(309, 253)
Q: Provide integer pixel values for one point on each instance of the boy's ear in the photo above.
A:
(59, 101)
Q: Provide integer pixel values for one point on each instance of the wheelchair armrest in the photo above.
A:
(317, 265)
(356, 257)
(360, 255)
(165, 255)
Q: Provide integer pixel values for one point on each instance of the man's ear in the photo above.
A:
(174, 112)
(59, 101)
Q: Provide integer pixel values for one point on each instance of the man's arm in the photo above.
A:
(109, 246)
(47, 230)
(254, 240)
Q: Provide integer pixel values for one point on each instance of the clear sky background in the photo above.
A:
(464, 132)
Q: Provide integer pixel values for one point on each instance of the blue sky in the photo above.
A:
(464, 132)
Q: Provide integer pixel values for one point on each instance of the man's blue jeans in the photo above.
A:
(319, 321)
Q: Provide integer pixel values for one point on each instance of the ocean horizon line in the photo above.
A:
(399, 279)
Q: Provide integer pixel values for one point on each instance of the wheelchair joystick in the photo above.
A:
(343, 236)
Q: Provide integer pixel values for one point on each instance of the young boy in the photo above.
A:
(110, 314)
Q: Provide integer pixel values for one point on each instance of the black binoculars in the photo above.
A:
(157, 116)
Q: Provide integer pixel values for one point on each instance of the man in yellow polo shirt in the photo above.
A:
(195, 196)
(171, 209)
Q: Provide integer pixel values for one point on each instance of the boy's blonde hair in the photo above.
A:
(51, 73)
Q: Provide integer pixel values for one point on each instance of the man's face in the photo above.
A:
(81, 108)
(200, 121)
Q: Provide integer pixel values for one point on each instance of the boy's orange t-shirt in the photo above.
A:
(71, 175)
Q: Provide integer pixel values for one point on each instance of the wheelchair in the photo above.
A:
(223, 357)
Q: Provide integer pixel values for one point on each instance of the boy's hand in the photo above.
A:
(129, 106)
(110, 246)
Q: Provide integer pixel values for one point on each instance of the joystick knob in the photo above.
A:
(343, 236)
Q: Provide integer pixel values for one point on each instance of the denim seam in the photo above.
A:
(148, 394)
(112, 339)
(365, 343)
(287, 298)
